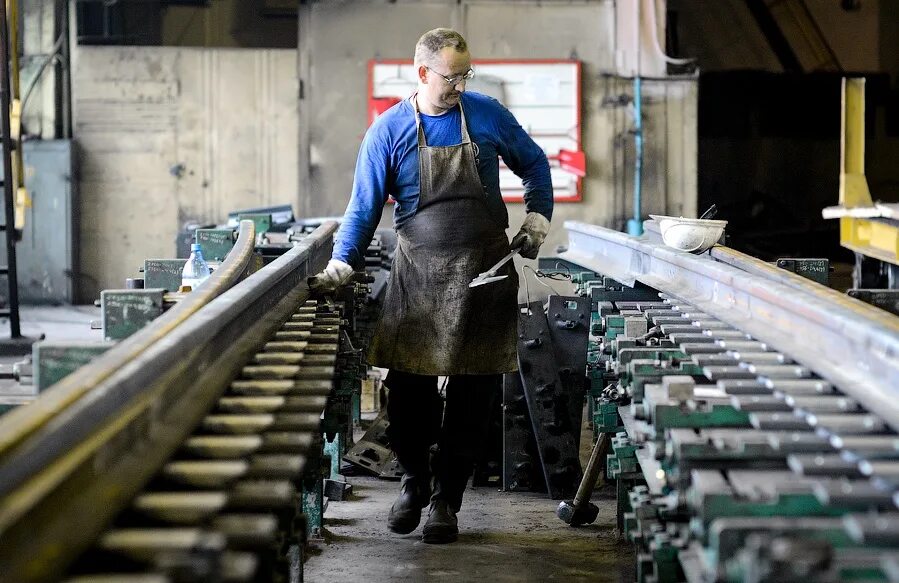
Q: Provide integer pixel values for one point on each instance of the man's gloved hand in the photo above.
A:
(334, 275)
(531, 235)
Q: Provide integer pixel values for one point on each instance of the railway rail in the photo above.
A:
(117, 440)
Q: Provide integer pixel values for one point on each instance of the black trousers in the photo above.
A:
(418, 420)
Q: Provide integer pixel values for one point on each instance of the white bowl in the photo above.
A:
(690, 235)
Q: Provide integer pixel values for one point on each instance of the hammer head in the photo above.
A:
(576, 516)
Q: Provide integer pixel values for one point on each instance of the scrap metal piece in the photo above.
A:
(247, 530)
(372, 453)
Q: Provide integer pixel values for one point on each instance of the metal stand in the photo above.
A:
(16, 344)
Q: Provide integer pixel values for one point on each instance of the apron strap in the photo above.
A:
(420, 130)
(466, 139)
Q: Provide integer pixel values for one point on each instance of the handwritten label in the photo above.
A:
(215, 237)
(127, 311)
(163, 273)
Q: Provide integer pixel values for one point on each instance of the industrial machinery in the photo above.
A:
(868, 228)
(751, 412)
(202, 447)
(750, 416)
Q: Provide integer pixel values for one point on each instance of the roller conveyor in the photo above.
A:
(194, 450)
(755, 437)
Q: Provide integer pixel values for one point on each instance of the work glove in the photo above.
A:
(334, 275)
(531, 235)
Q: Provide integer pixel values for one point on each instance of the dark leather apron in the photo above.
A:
(432, 323)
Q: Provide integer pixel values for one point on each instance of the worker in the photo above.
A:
(436, 153)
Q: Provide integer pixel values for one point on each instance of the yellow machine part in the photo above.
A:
(877, 238)
(22, 201)
(870, 237)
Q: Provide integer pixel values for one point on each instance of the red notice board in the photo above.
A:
(543, 95)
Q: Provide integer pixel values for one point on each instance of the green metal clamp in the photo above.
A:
(216, 243)
(261, 221)
(125, 311)
(622, 462)
(313, 497)
(605, 417)
(54, 361)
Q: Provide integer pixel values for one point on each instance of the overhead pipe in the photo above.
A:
(635, 223)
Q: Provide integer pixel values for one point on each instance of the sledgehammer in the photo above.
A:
(580, 510)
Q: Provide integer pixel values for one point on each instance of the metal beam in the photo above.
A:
(853, 184)
(21, 423)
(774, 35)
(53, 504)
(841, 339)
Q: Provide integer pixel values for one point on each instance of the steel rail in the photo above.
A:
(62, 486)
(847, 342)
(22, 422)
(763, 269)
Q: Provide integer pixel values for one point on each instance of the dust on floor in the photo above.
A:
(504, 536)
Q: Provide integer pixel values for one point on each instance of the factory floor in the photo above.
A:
(58, 323)
(54, 323)
(503, 537)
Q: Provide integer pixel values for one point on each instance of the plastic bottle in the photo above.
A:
(195, 270)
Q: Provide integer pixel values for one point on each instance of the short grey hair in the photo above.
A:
(434, 41)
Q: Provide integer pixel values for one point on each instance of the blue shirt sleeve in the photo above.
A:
(387, 164)
(527, 160)
(367, 200)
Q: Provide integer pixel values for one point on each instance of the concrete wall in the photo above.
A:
(169, 135)
(338, 38)
(38, 46)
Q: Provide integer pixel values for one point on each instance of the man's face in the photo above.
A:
(447, 63)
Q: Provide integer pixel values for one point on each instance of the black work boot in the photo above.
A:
(442, 526)
(405, 514)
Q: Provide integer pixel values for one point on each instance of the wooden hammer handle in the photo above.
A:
(588, 482)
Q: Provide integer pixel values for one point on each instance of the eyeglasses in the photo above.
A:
(455, 80)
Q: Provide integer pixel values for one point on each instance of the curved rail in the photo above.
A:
(64, 484)
(22, 422)
(851, 344)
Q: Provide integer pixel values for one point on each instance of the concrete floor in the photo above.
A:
(55, 323)
(504, 536)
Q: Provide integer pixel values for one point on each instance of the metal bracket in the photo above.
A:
(548, 403)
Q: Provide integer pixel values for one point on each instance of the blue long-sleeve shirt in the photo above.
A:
(388, 166)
